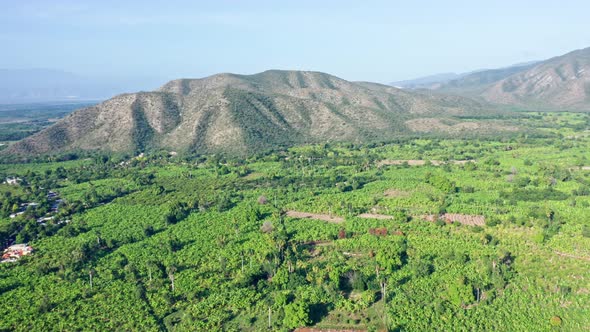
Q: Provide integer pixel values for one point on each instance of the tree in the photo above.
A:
(461, 292)
(171, 269)
(281, 278)
(90, 275)
(296, 315)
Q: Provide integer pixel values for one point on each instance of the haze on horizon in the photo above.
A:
(379, 41)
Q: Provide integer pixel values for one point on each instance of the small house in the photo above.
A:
(15, 252)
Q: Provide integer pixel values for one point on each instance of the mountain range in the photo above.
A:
(476, 77)
(243, 114)
(558, 84)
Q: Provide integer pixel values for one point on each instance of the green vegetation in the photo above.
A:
(192, 243)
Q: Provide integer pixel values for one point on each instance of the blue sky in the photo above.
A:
(378, 41)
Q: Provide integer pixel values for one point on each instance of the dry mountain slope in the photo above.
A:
(474, 83)
(245, 113)
(560, 83)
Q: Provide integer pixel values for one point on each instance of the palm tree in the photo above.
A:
(150, 265)
(90, 275)
(171, 270)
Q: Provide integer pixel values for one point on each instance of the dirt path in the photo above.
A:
(413, 162)
(559, 253)
(317, 216)
(374, 216)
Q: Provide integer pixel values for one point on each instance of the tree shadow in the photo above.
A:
(318, 311)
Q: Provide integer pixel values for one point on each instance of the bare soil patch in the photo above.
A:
(435, 124)
(323, 217)
(465, 219)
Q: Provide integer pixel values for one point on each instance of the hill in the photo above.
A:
(467, 82)
(246, 113)
(473, 83)
(559, 83)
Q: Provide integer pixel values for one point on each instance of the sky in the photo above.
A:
(380, 41)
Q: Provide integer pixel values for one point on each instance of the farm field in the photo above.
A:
(411, 235)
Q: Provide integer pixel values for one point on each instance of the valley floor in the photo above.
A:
(326, 237)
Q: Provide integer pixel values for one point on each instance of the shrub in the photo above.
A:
(491, 222)
(296, 315)
(555, 321)
(262, 200)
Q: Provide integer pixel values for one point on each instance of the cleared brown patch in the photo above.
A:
(374, 216)
(435, 124)
(382, 231)
(317, 216)
(395, 162)
(465, 219)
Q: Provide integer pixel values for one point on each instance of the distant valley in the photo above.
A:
(21, 86)
(18, 121)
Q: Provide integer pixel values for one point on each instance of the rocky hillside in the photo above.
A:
(560, 83)
(245, 113)
(474, 83)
